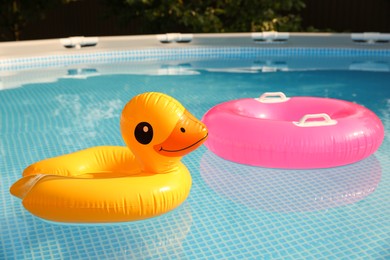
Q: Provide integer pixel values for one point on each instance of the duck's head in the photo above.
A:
(159, 131)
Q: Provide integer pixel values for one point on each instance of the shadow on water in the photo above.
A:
(277, 190)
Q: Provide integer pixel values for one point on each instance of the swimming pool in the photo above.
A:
(56, 101)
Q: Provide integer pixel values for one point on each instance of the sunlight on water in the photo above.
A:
(233, 210)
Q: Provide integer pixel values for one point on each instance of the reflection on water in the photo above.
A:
(2, 150)
(83, 109)
(162, 235)
(85, 117)
(278, 190)
(81, 73)
(385, 117)
(270, 66)
(370, 66)
(134, 240)
(261, 64)
(176, 69)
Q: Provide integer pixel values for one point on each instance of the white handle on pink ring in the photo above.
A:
(303, 122)
(272, 97)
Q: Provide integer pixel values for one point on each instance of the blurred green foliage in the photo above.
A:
(159, 16)
(162, 16)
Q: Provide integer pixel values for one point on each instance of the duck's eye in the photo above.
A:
(143, 133)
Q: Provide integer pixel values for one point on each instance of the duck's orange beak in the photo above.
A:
(188, 134)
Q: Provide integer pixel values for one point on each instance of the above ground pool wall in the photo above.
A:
(72, 45)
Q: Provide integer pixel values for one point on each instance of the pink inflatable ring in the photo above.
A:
(299, 132)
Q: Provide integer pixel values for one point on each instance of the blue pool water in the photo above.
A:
(233, 211)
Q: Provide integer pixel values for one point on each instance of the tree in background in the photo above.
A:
(161, 16)
(197, 16)
(14, 14)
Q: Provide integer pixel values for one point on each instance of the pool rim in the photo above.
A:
(81, 44)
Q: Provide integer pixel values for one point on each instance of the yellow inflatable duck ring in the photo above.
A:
(112, 183)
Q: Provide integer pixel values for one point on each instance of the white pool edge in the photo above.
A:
(74, 45)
